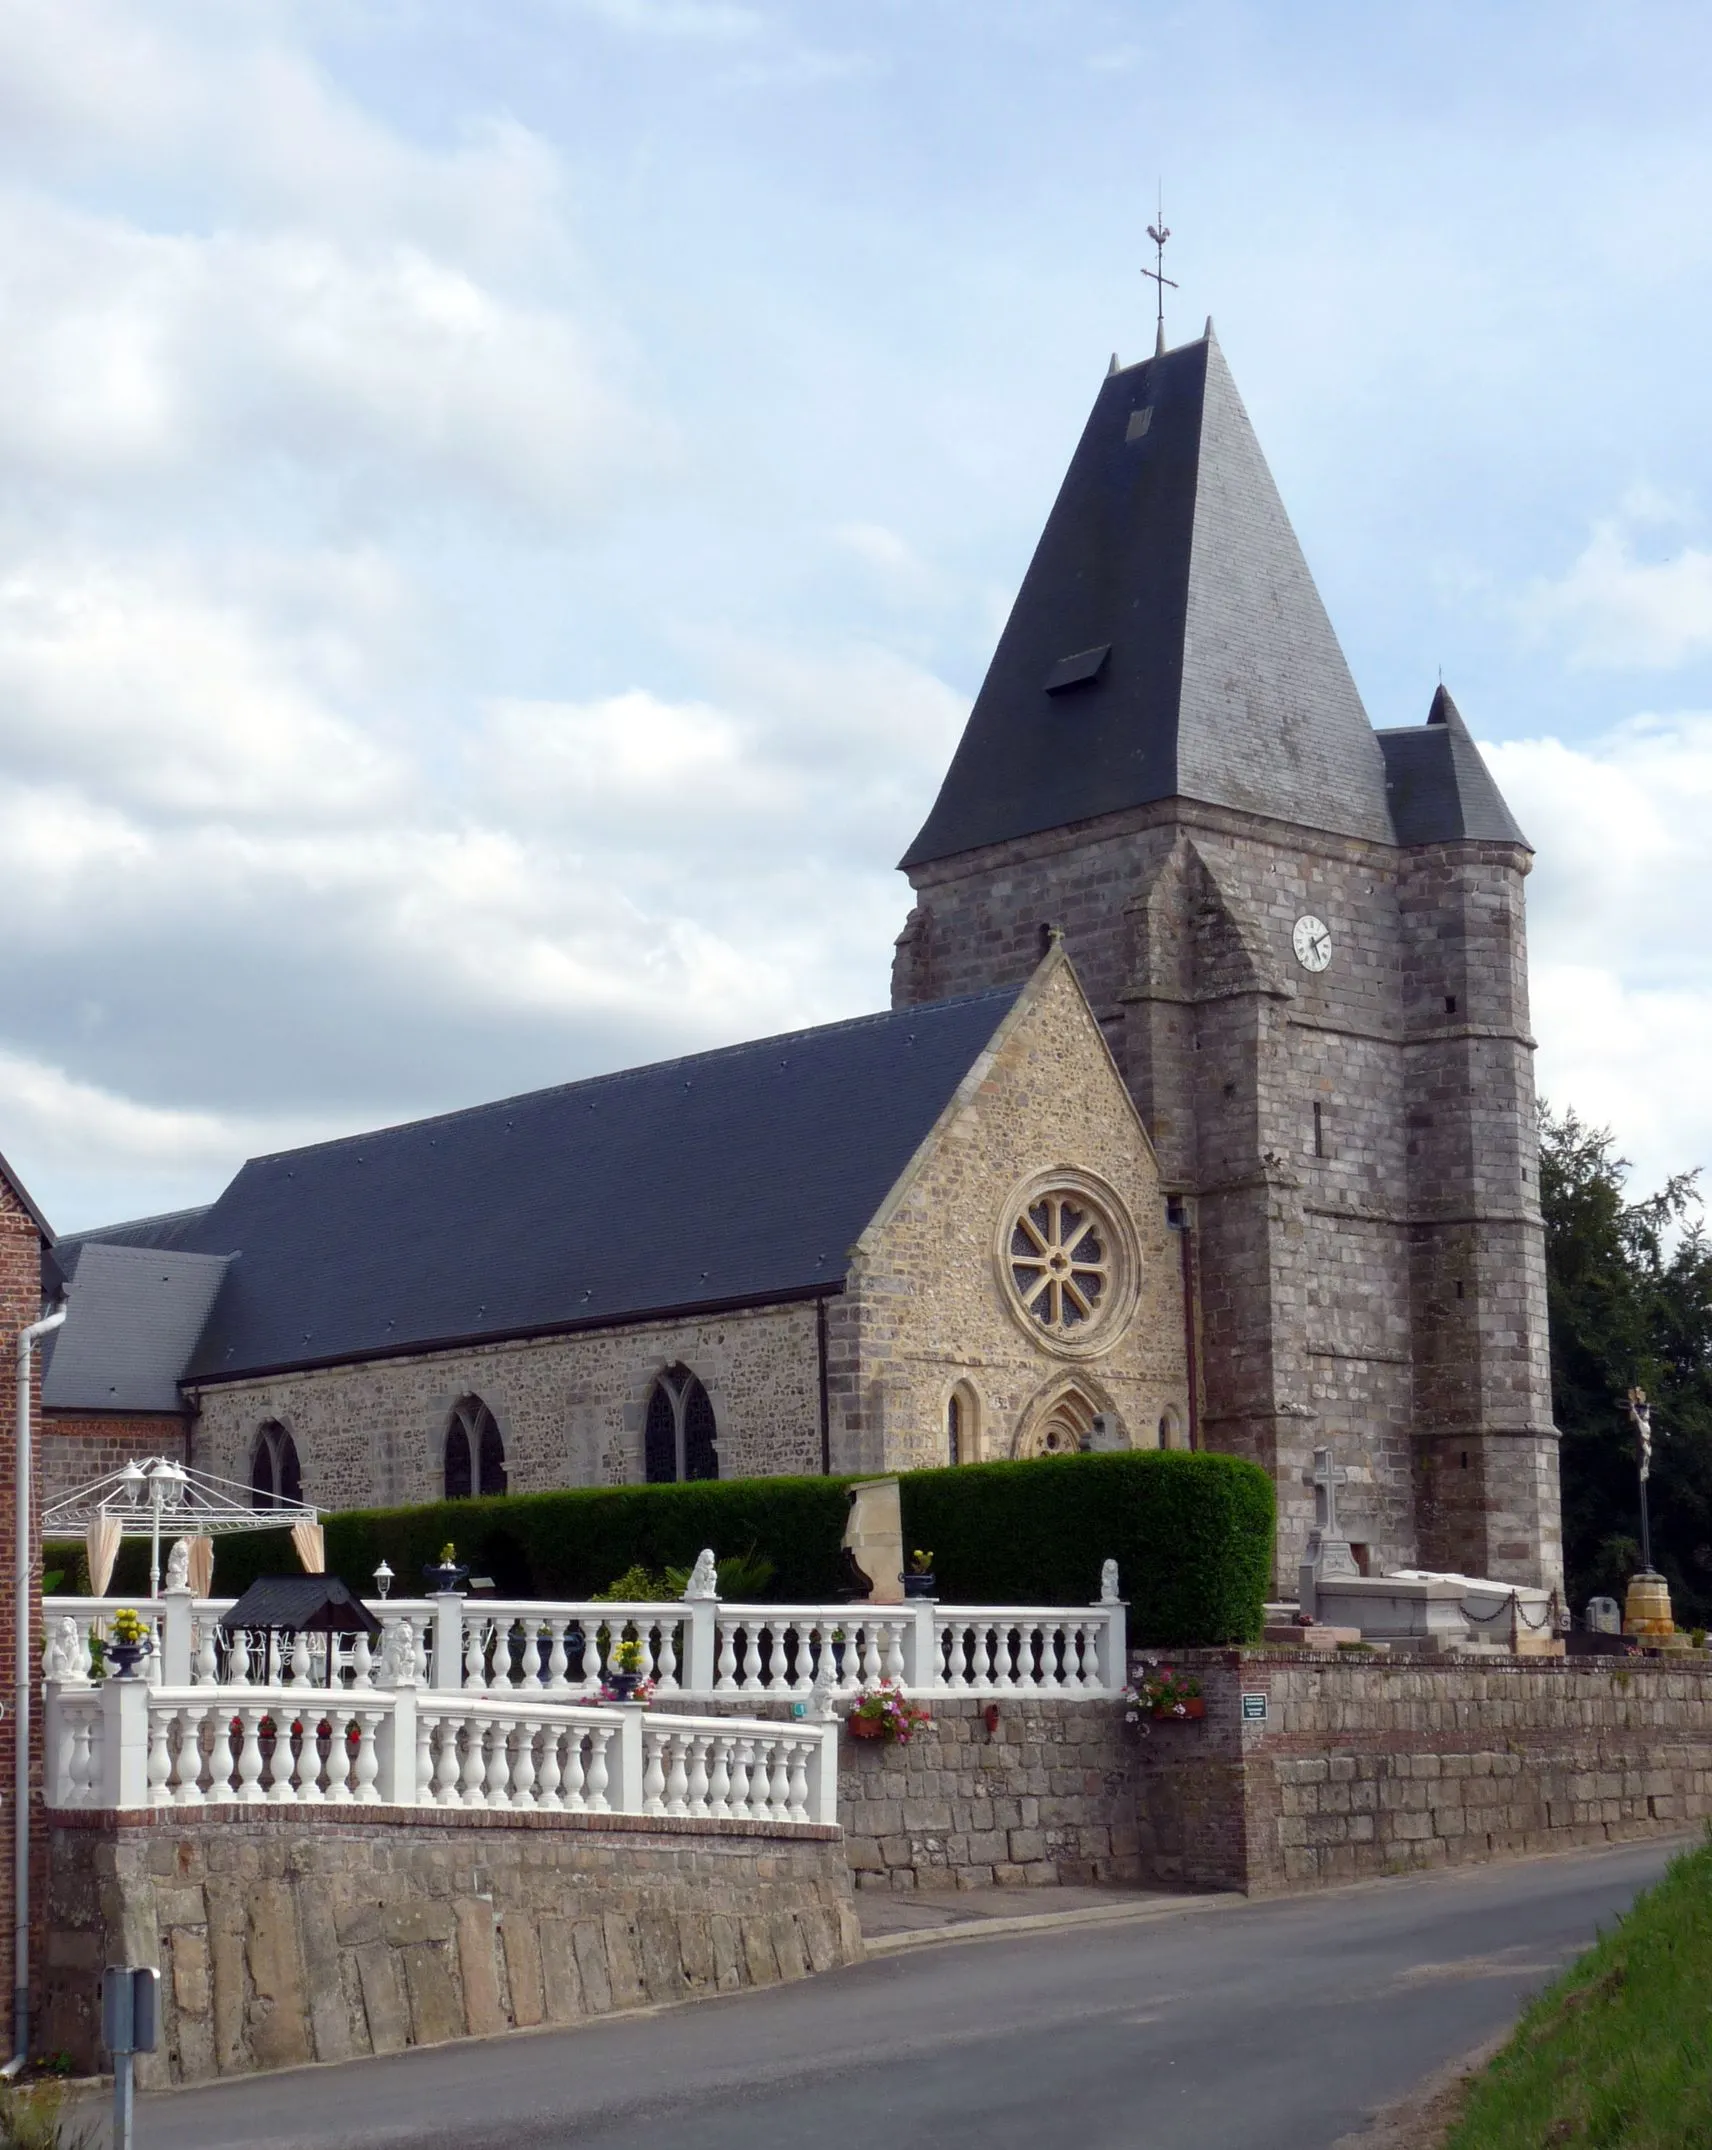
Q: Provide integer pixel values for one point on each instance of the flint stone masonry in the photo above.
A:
(925, 1309)
(286, 1939)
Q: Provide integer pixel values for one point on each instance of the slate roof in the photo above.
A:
(133, 1319)
(1440, 789)
(169, 1229)
(307, 1604)
(733, 1177)
(1168, 549)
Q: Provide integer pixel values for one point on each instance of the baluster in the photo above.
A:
(594, 1664)
(422, 1783)
(719, 1778)
(572, 1796)
(309, 1764)
(366, 1765)
(894, 1649)
(160, 1756)
(523, 1765)
(302, 1669)
(751, 1682)
(474, 1780)
(446, 1760)
(725, 1671)
(85, 1658)
(362, 1662)
(206, 1672)
(499, 1680)
(549, 1775)
(475, 1661)
(803, 1680)
(653, 1773)
(532, 1662)
(797, 1795)
(870, 1653)
(737, 1796)
(948, 1656)
(599, 1776)
(498, 1763)
(153, 1670)
(222, 1728)
(279, 1786)
(339, 1760)
(779, 1786)
(238, 1659)
(1008, 1672)
(677, 1776)
(1086, 1677)
(695, 1791)
(250, 1755)
(187, 1763)
(666, 1657)
(558, 1659)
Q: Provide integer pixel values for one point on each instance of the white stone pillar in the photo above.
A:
(624, 1761)
(448, 1672)
(699, 1669)
(124, 1743)
(823, 1775)
(1110, 1655)
(177, 1607)
(395, 1745)
(921, 1658)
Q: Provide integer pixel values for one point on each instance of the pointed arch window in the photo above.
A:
(680, 1436)
(275, 1473)
(475, 1452)
(962, 1425)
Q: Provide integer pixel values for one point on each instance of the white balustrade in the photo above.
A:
(535, 1650)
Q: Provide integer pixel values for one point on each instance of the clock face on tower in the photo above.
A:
(1312, 941)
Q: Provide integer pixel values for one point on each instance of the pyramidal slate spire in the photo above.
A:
(1167, 642)
(1441, 790)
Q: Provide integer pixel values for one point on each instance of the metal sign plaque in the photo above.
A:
(1254, 1709)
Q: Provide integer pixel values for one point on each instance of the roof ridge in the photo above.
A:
(844, 1024)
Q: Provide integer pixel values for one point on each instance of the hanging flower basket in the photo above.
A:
(884, 1711)
(868, 1728)
(1164, 1698)
(1184, 1712)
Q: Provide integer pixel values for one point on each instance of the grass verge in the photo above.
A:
(1617, 2055)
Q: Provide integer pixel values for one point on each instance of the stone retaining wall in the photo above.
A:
(1375, 1767)
(284, 1938)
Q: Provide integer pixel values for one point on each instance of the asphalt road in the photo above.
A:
(1271, 2026)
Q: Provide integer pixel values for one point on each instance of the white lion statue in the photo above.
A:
(704, 1577)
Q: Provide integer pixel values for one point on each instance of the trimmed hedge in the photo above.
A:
(1191, 1533)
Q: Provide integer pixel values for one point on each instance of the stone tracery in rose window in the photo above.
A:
(1060, 1259)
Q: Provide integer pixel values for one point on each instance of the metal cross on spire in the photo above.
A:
(1159, 233)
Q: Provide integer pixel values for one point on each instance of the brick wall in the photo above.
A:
(283, 1939)
(20, 1305)
(74, 1449)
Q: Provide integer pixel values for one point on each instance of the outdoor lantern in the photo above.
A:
(383, 1579)
(133, 1479)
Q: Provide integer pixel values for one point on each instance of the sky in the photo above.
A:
(503, 511)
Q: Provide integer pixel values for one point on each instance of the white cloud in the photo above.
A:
(1613, 607)
(1617, 905)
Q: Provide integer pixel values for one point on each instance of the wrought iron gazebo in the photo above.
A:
(160, 1497)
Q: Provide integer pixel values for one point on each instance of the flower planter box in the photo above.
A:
(867, 1728)
(1181, 1712)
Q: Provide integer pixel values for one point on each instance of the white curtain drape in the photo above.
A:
(101, 1541)
(201, 1576)
(310, 1544)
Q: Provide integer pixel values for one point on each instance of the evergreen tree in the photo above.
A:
(1629, 1291)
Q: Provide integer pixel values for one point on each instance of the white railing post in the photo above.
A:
(699, 1668)
(176, 1608)
(823, 1775)
(124, 1743)
(1109, 1650)
(56, 1745)
(395, 1748)
(448, 1668)
(921, 1657)
(626, 1763)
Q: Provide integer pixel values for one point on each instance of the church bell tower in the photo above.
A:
(1305, 941)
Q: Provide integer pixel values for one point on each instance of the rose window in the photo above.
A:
(1061, 1261)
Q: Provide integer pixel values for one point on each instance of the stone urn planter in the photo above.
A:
(622, 1686)
(123, 1658)
(919, 1586)
(445, 1575)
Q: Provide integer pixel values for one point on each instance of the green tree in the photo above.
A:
(1629, 1291)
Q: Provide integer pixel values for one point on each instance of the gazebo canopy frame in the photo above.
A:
(160, 1497)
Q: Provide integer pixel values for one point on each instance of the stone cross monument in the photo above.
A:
(1327, 1552)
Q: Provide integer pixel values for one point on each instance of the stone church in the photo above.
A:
(1203, 1116)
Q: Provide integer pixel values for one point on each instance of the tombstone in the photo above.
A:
(874, 1536)
(1327, 1556)
(1604, 1616)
